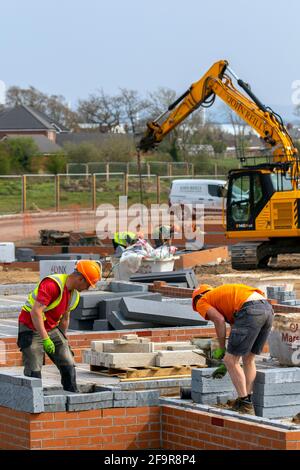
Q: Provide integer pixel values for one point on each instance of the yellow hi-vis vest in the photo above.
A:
(121, 237)
(61, 280)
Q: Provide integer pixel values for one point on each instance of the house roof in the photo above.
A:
(26, 118)
(44, 145)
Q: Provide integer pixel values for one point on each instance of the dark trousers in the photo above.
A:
(31, 346)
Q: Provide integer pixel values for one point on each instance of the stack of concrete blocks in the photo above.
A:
(276, 392)
(131, 351)
(210, 391)
(283, 295)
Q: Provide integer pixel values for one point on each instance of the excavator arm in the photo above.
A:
(217, 82)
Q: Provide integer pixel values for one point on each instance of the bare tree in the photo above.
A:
(133, 108)
(101, 109)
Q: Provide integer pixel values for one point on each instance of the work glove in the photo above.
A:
(220, 372)
(49, 346)
(218, 353)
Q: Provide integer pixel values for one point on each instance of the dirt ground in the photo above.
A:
(17, 276)
(286, 271)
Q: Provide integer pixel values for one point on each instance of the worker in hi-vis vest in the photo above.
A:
(124, 239)
(44, 320)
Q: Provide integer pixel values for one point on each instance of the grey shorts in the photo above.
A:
(251, 328)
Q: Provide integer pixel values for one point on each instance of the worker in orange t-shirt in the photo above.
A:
(250, 315)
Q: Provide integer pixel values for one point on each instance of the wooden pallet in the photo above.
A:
(145, 373)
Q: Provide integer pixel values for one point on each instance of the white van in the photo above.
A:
(197, 191)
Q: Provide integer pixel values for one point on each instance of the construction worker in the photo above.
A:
(250, 316)
(163, 234)
(124, 239)
(44, 320)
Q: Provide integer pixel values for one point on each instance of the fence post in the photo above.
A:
(107, 171)
(148, 170)
(158, 188)
(57, 192)
(187, 169)
(94, 194)
(24, 194)
(193, 169)
(126, 184)
(216, 169)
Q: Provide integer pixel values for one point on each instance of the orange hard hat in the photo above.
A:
(90, 269)
(197, 294)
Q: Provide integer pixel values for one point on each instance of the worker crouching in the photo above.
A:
(44, 321)
(250, 316)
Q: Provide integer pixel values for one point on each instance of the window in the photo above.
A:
(215, 190)
(240, 199)
(281, 182)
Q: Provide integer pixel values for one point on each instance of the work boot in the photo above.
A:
(243, 406)
(296, 419)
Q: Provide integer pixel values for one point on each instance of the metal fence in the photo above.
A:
(83, 191)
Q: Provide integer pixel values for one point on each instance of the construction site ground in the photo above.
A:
(286, 270)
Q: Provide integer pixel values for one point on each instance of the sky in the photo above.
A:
(75, 47)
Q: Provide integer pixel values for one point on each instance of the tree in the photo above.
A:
(82, 153)
(133, 108)
(54, 106)
(22, 149)
(5, 159)
(239, 130)
(56, 163)
(101, 109)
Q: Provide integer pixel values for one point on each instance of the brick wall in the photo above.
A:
(168, 427)
(82, 341)
(184, 429)
(107, 429)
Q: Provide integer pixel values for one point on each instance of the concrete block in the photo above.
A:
(97, 346)
(125, 360)
(101, 325)
(90, 406)
(169, 345)
(120, 395)
(147, 398)
(270, 401)
(173, 358)
(186, 277)
(212, 398)
(89, 397)
(272, 389)
(277, 411)
(159, 312)
(119, 322)
(55, 403)
(85, 313)
(127, 286)
(278, 375)
(128, 348)
(124, 404)
(81, 325)
(21, 398)
(108, 305)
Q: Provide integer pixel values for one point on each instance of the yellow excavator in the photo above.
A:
(262, 200)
